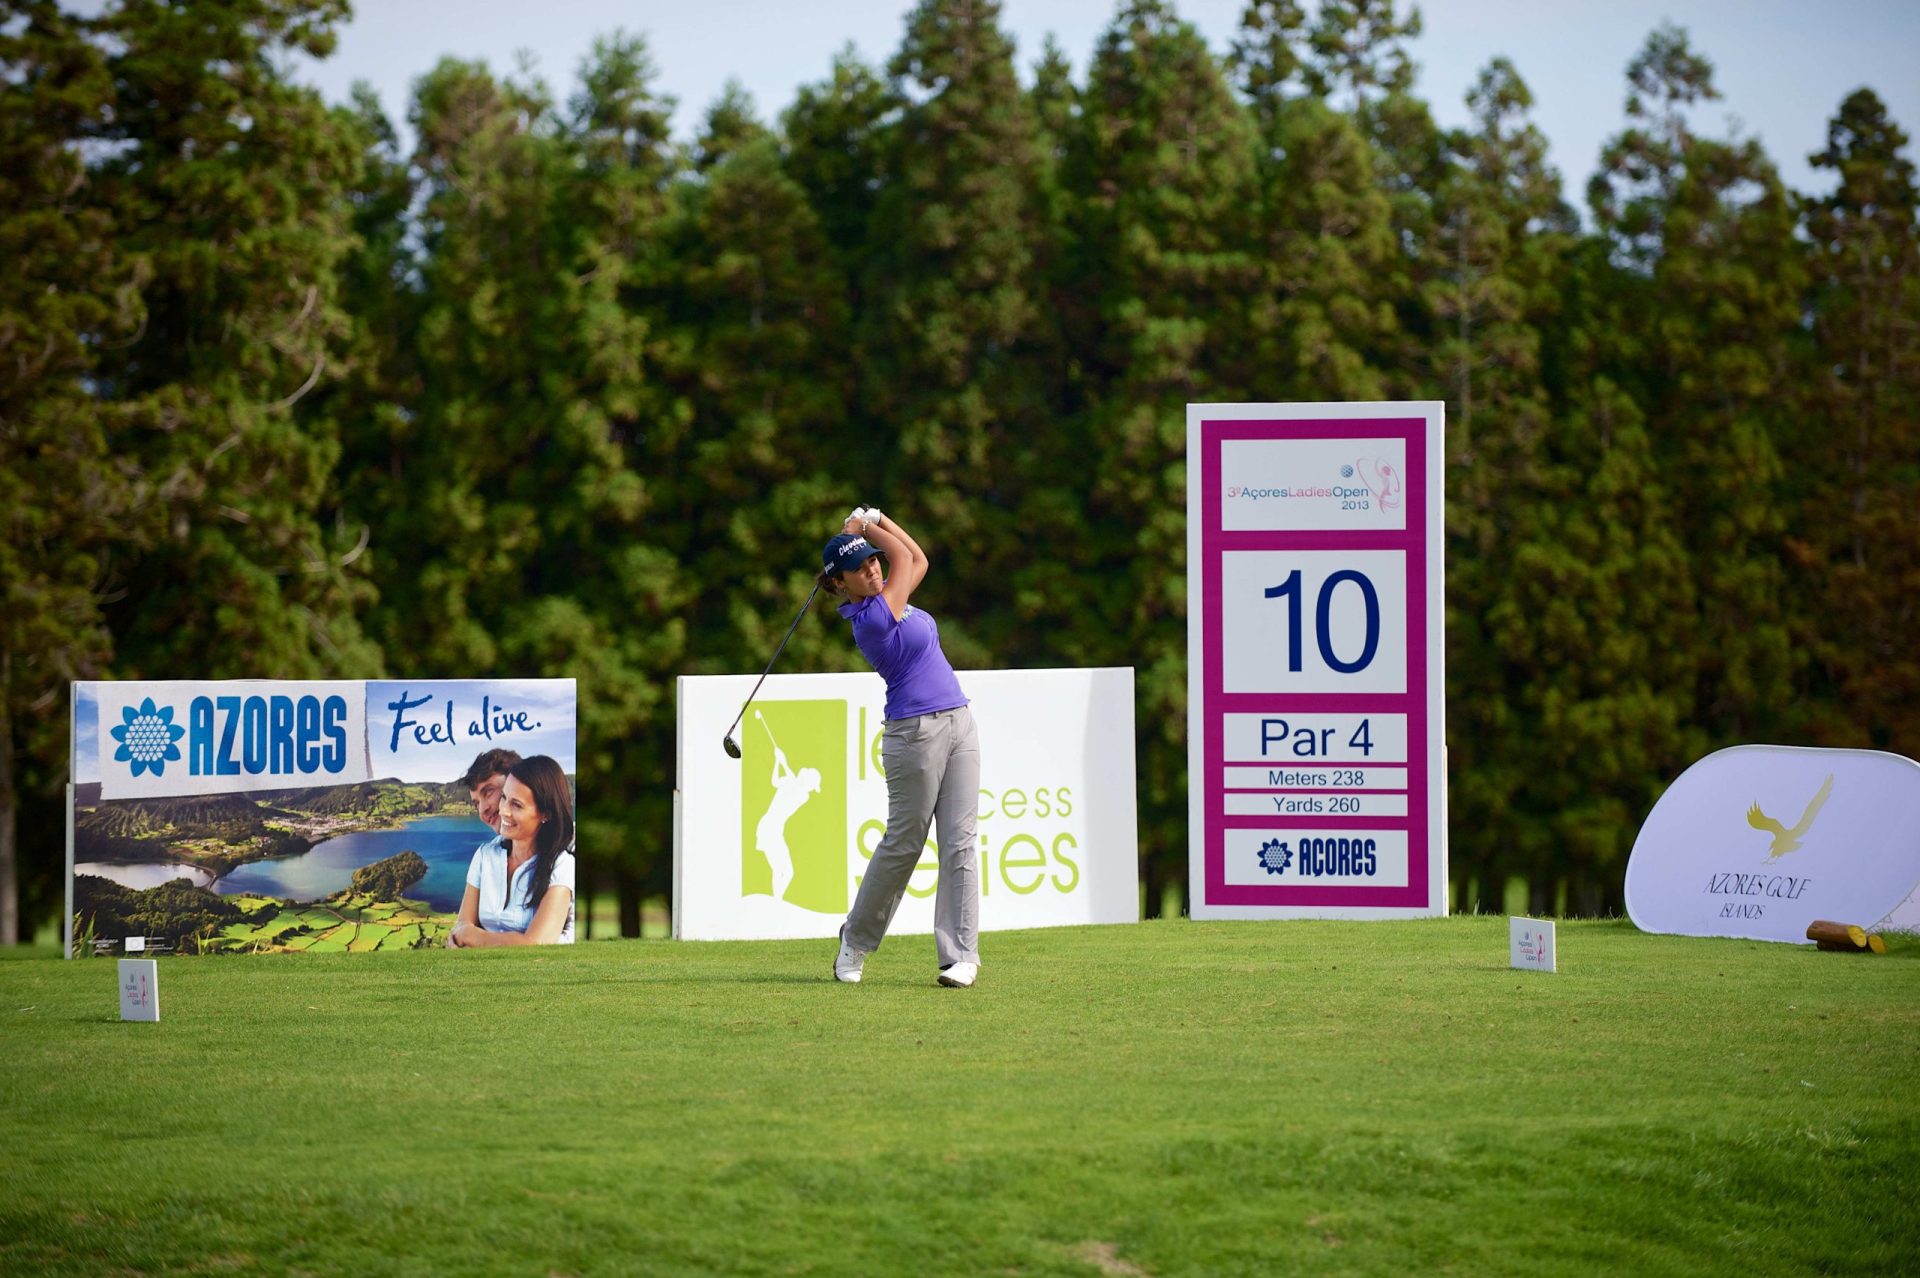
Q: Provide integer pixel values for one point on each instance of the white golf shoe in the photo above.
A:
(959, 975)
(848, 962)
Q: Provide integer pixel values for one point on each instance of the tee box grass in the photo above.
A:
(1167, 1098)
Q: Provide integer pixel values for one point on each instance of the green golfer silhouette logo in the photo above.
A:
(793, 804)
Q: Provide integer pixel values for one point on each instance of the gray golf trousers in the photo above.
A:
(933, 776)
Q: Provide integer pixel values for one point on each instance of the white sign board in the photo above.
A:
(274, 794)
(139, 990)
(1757, 841)
(805, 806)
(1315, 661)
(1530, 944)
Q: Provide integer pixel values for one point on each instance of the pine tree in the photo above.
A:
(762, 310)
(535, 524)
(1588, 631)
(1059, 603)
(1326, 236)
(378, 389)
(1500, 231)
(1490, 279)
(1359, 46)
(1268, 61)
(65, 290)
(1857, 455)
(1056, 101)
(1701, 332)
(837, 138)
(229, 182)
(1359, 56)
(1162, 177)
(951, 330)
(176, 218)
(622, 628)
(451, 535)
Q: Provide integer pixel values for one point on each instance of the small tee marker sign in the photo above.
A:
(139, 990)
(1530, 944)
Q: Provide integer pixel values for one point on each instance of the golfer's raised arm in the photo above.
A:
(906, 561)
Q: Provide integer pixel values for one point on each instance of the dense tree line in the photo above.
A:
(552, 394)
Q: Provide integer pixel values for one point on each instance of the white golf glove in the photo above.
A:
(871, 515)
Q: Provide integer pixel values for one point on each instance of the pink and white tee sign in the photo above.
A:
(1316, 680)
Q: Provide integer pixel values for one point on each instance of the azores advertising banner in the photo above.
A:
(275, 815)
(1757, 841)
(773, 844)
(1315, 678)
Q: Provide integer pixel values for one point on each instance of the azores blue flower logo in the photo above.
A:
(147, 738)
(1275, 856)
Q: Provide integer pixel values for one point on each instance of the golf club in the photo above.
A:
(727, 743)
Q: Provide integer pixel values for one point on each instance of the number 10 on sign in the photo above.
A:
(1316, 769)
(1314, 621)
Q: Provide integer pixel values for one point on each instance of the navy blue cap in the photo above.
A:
(845, 552)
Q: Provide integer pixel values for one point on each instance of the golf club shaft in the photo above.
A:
(775, 657)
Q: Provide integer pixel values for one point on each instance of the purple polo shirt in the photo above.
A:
(907, 654)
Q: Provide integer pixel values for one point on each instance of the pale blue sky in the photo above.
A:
(1782, 66)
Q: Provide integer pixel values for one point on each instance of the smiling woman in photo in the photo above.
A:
(520, 885)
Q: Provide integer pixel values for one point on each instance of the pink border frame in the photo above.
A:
(1216, 703)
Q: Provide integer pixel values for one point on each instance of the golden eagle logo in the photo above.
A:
(1785, 840)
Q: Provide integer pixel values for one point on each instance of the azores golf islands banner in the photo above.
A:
(772, 844)
(278, 815)
(1758, 841)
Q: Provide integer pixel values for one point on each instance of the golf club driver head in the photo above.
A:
(731, 746)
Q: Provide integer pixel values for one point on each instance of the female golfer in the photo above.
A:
(930, 748)
(520, 884)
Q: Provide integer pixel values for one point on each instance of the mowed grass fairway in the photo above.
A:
(1169, 1098)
